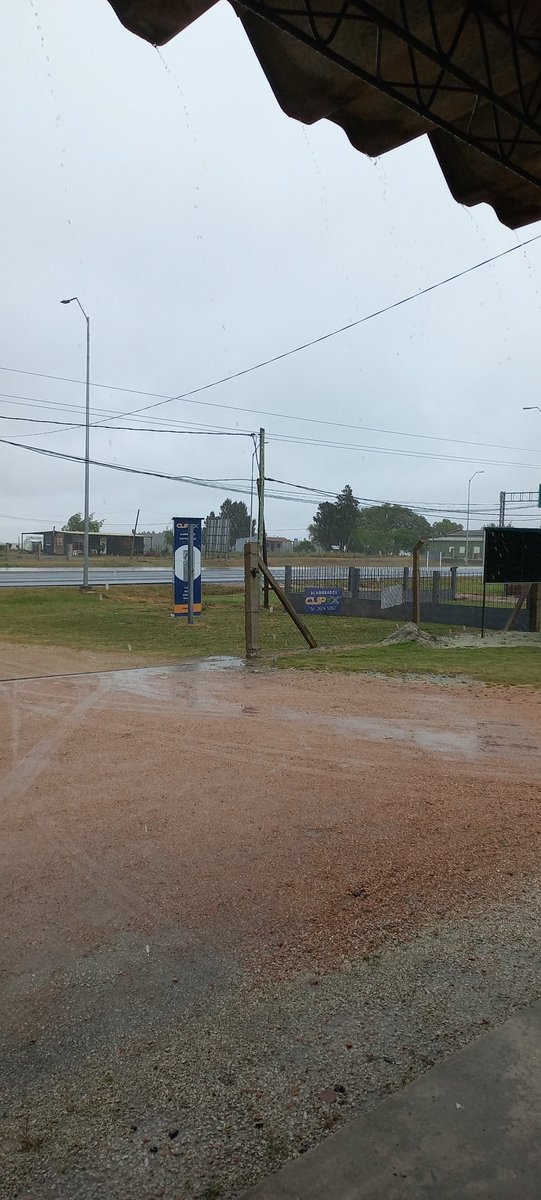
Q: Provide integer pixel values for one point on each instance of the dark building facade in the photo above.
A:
(71, 543)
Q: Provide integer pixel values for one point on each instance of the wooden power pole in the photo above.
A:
(252, 598)
(261, 493)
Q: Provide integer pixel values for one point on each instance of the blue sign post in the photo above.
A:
(324, 600)
(181, 538)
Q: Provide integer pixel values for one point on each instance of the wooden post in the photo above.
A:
(265, 558)
(252, 599)
(416, 584)
(286, 602)
(534, 607)
(524, 593)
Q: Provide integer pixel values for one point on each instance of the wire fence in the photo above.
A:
(343, 604)
(393, 585)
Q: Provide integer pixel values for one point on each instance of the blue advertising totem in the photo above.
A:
(181, 527)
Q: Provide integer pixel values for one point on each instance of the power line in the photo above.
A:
(490, 462)
(163, 399)
(314, 493)
(127, 428)
(342, 329)
(236, 486)
(291, 438)
(218, 484)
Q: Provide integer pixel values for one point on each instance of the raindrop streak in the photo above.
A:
(201, 164)
(323, 194)
(57, 122)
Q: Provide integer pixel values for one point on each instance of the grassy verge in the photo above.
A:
(138, 619)
(499, 665)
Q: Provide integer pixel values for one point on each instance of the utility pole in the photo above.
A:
(252, 488)
(261, 535)
(86, 552)
(261, 493)
(468, 513)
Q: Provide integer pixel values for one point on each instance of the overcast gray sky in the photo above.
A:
(203, 231)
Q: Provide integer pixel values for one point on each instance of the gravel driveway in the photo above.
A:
(242, 906)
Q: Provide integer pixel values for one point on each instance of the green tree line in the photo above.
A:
(374, 529)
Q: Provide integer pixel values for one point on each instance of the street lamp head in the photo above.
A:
(70, 301)
(531, 408)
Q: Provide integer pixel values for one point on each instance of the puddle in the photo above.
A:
(471, 743)
(380, 730)
(176, 682)
(181, 683)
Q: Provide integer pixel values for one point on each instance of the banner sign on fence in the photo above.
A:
(181, 526)
(512, 556)
(324, 600)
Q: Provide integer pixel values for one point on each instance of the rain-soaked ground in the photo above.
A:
(200, 865)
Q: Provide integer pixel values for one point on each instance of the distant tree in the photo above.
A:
(347, 514)
(334, 524)
(76, 523)
(303, 547)
(445, 528)
(323, 531)
(388, 529)
(239, 519)
(168, 539)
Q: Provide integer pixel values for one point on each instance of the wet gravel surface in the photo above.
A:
(225, 1087)
(243, 908)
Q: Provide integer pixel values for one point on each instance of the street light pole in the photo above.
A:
(468, 513)
(87, 440)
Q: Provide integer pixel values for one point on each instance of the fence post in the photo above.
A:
(405, 584)
(436, 597)
(416, 584)
(534, 608)
(453, 582)
(354, 582)
(287, 580)
(252, 598)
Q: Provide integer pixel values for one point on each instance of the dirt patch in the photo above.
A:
(19, 661)
(191, 858)
(410, 633)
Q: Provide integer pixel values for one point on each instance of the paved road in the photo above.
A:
(73, 576)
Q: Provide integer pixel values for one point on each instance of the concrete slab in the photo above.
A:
(468, 1128)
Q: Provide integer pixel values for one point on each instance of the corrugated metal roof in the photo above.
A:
(466, 74)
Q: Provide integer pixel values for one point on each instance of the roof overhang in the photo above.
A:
(468, 74)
